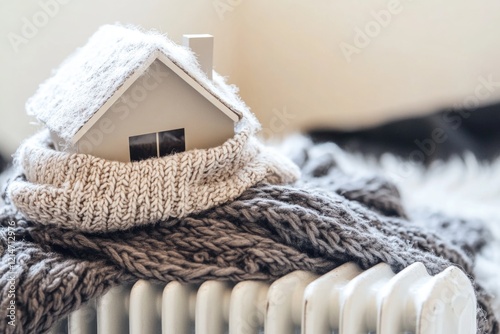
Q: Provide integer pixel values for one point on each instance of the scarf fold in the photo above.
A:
(92, 194)
(326, 219)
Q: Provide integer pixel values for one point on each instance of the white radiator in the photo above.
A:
(346, 300)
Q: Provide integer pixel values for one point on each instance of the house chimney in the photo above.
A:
(203, 47)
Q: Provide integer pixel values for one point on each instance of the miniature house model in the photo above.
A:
(129, 96)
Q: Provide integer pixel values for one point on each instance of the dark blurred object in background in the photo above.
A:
(3, 163)
(425, 139)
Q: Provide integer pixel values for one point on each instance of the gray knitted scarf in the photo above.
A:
(326, 219)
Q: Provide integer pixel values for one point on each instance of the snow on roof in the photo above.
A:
(88, 78)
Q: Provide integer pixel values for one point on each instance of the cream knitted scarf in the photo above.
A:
(92, 194)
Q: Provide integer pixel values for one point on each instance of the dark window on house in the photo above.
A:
(143, 147)
(171, 142)
(154, 145)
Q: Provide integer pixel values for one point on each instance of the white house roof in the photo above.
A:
(94, 73)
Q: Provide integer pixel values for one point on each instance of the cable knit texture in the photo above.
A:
(326, 219)
(92, 194)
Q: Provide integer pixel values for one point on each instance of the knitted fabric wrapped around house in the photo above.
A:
(92, 194)
(89, 193)
(326, 219)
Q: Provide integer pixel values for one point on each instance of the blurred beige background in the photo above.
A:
(298, 63)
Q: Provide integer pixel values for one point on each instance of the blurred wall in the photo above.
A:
(298, 63)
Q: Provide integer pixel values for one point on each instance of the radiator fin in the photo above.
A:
(346, 300)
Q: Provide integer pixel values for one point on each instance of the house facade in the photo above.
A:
(158, 115)
(139, 97)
